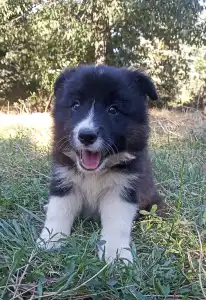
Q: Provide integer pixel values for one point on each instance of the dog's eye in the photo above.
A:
(75, 106)
(113, 110)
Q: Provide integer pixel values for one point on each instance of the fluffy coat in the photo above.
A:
(100, 163)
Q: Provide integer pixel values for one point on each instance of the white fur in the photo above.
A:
(117, 158)
(107, 163)
(98, 192)
(116, 216)
(91, 187)
(61, 212)
(87, 123)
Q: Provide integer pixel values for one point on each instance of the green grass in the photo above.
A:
(170, 254)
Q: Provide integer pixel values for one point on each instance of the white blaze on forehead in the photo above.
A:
(87, 123)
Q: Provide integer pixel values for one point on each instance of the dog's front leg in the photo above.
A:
(61, 213)
(117, 214)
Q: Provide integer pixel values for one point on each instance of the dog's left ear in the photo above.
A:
(146, 84)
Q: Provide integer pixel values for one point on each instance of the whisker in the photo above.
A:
(108, 148)
(61, 142)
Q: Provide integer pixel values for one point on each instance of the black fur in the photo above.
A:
(100, 157)
(126, 131)
(57, 188)
(129, 194)
(123, 88)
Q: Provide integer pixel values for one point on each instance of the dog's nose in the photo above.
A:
(87, 136)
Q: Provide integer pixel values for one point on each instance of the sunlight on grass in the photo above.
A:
(169, 254)
(37, 126)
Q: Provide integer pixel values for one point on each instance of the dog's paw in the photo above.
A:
(47, 241)
(126, 255)
(110, 253)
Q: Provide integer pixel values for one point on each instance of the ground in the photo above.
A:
(170, 253)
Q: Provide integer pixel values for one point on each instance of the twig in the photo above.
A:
(23, 274)
(16, 297)
(27, 291)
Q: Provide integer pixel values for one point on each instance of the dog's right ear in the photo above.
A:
(61, 79)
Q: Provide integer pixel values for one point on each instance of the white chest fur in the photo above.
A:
(92, 187)
(92, 195)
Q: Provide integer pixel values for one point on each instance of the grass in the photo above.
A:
(170, 254)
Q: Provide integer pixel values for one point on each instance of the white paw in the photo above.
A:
(48, 240)
(110, 253)
(126, 255)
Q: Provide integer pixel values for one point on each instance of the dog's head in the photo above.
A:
(100, 115)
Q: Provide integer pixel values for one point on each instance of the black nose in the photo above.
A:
(87, 136)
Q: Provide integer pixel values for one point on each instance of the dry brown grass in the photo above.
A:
(164, 120)
(164, 124)
(176, 123)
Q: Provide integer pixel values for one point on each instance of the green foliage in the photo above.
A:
(38, 40)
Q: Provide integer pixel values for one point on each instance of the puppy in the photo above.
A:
(101, 166)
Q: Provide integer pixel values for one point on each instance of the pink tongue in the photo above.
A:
(90, 160)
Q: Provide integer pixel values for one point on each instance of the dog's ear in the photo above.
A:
(61, 79)
(146, 84)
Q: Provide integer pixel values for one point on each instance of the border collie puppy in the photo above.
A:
(100, 161)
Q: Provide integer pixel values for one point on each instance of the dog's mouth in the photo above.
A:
(90, 160)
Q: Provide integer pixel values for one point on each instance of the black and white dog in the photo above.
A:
(100, 161)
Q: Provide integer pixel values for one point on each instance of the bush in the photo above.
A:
(39, 40)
